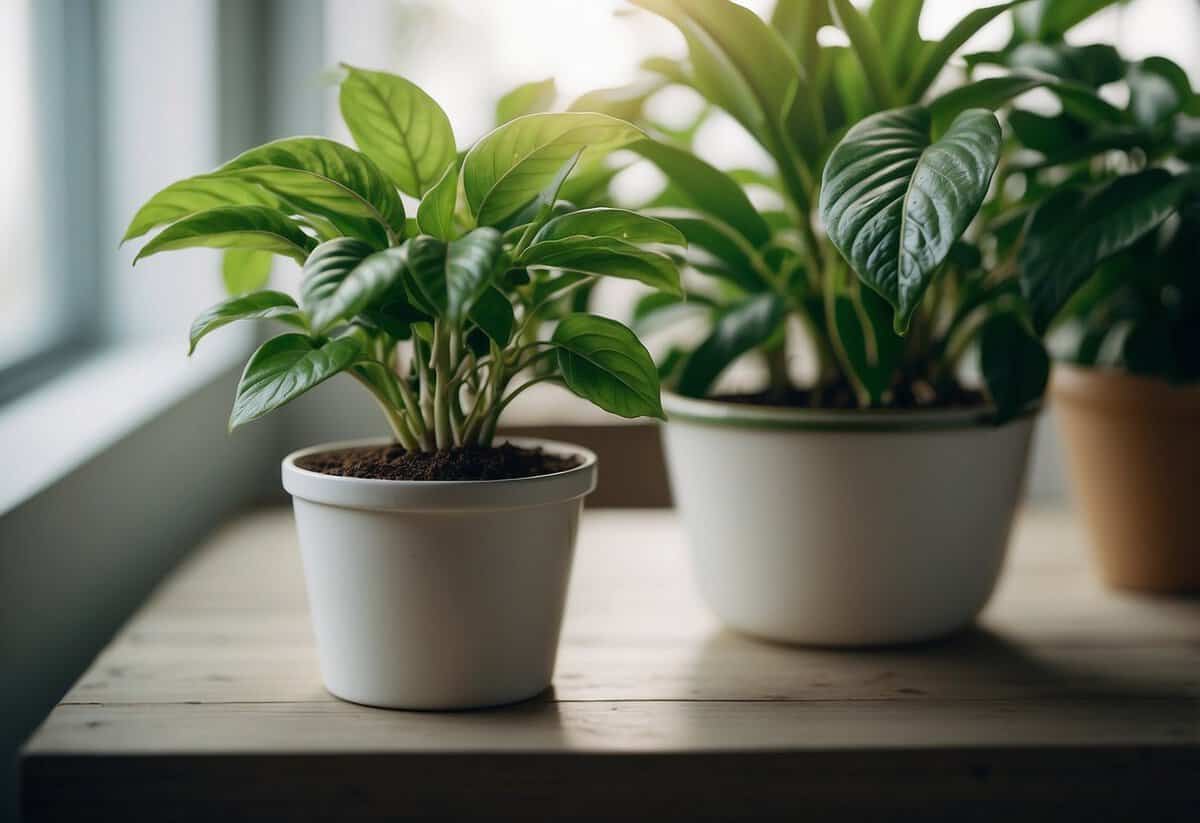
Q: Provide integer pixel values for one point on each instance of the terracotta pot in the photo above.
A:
(1133, 445)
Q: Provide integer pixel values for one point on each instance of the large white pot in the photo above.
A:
(438, 595)
(844, 528)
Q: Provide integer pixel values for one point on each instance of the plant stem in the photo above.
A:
(441, 400)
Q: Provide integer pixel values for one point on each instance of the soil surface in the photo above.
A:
(840, 397)
(504, 462)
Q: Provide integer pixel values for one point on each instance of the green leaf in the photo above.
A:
(528, 98)
(623, 102)
(435, 215)
(398, 126)
(605, 256)
(708, 189)
(245, 270)
(1158, 89)
(259, 305)
(359, 288)
(513, 164)
(1048, 135)
(619, 224)
(323, 177)
(898, 23)
(742, 264)
(993, 92)
(1050, 19)
(934, 55)
(602, 361)
(1092, 65)
(798, 22)
(867, 48)
(284, 368)
(453, 276)
(233, 227)
(1014, 363)
(1073, 230)
(894, 201)
(737, 330)
(493, 313)
(326, 268)
(194, 195)
(739, 63)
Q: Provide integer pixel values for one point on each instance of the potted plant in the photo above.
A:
(437, 560)
(871, 503)
(1109, 261)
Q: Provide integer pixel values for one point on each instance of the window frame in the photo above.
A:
(67, 83)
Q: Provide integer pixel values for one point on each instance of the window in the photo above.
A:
(46, 185)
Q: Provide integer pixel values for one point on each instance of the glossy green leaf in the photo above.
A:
(1073, 230)
(245, 270)
(194, 195)
(233, 227)
(359, 288)
(1014, 364)
(619, 224)
(994, 92)
(398, 126)
(326, 269)
(323, 177)
(527, 98)
(493, 313)
(742, 264)
(1158, 89)
(737, 330)
(603, 361)
(605, 256)
(1092, 65)
(707, 189)
(284, 368)
(894, 201)
(510, 166)
(934, 55)
(1048, 135)
(453, 276)
(259, 305)
(866, 340)
(435, 215)
(864, 40)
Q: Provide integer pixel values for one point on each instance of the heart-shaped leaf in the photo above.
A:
(513, 164)
(707, 189)
(435, 215)
(259, 305)
(326, 178)
(340, 293)
(894, 201)
(284, 368)
(234, 227)
(737, 330)
(194, 195)
(605, 256)
(451, 277)
(618, 224)
(398, 126)
(602, 361)
(1073, 230)
(245, 270)
(1014, 364)
(527, 98)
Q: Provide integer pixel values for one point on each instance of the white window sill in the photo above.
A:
(53, 430)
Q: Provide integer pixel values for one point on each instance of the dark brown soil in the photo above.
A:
(504, 462)
(918, 396)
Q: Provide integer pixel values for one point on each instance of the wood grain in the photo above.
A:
(209, 704)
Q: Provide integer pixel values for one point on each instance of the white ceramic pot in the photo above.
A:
(844, 528)
(438, 595)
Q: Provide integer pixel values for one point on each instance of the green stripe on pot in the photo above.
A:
(738, 415)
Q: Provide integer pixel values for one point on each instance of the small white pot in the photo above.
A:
(844, 528)
(438, 595)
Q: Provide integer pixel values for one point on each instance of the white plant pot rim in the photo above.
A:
(742, 415)
(442, 495)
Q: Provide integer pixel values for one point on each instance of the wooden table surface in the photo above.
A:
(1067, 697)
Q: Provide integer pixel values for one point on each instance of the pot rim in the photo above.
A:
(738, 415)
(441, 495)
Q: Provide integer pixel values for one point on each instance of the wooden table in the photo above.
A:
(1068, 699)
